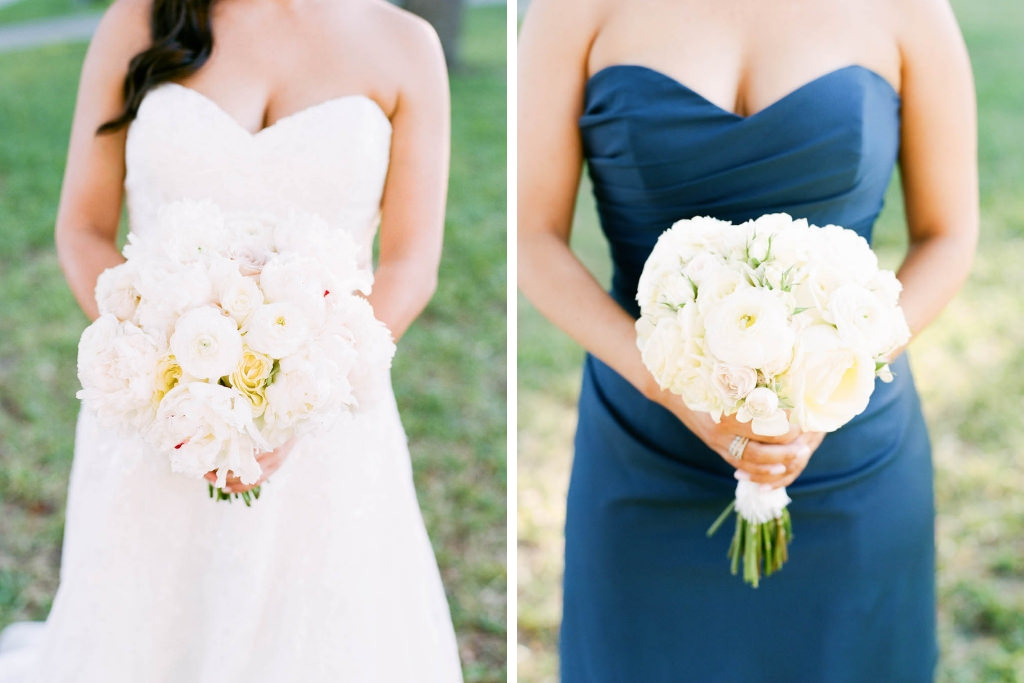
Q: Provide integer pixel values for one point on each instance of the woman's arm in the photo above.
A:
(938, 160)
(91, 194)
(553, 49)
(412, 208)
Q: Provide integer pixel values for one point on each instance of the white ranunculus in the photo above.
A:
(750, 328)
(206, 343)
(758, 503)
(761, 409)
(733, 382)
(116, 291)
(117, 366)
(864, 322)
(236, 294)
(276, 329)
(205, 427)
(186, 232)
(828, 383)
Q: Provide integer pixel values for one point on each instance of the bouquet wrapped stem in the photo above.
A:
(247, 496)
(763, 546)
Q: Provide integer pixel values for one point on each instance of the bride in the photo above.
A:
(338, 107)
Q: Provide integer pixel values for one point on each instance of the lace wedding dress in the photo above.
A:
(330, 576)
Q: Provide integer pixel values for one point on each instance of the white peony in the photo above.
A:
(302, 388)
(205, 427)
(116, 291)
(276, 329)
(301, 281)
(750, 328)
(828, 382)
(117, 366)
(206, 343)
(718, 283)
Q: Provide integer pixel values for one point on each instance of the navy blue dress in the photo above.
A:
(648, 597)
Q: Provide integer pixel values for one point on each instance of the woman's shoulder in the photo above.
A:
(407, 36)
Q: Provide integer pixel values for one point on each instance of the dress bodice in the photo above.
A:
(658, 152)
(330, 159)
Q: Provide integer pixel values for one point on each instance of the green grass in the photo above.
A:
(449, 373)
(969, 367)
(27, 10)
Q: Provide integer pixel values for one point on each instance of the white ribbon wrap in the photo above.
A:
(760, 503)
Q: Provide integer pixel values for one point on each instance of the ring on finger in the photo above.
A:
(736, 447)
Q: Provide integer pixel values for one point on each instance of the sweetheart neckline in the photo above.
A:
(284, 119)
(740, 117)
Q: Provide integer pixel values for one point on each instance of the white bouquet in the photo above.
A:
(227, 334)
(777, 322)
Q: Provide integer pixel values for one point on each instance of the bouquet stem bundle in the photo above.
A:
(763, 547)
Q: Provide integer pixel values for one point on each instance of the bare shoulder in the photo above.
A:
(408, 41)
(924, 23)
(124, 26)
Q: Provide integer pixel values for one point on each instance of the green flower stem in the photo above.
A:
(247, 496)
(764, 548)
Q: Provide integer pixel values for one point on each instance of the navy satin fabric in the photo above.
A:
(646, 596)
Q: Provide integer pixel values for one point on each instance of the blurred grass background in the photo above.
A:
(969, 367)
(449, 373)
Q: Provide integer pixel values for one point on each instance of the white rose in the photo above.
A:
(204, 427)
(761, 408)
(864, 322)
(828, 383)
(116, 291)
(699, 266)
(733, 382)
(750, 328)
(206, 343)
(117, 366)
(277, 329)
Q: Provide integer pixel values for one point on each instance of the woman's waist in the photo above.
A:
(652, 437)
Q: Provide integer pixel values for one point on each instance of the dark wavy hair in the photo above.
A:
(182, 42)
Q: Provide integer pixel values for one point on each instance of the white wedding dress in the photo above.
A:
(330, 575)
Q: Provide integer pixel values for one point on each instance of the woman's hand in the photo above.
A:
(773, 460)
(269, 461)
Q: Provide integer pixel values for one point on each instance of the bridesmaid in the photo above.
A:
(734, 109)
